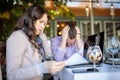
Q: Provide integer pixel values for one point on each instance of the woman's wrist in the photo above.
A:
(43, 36)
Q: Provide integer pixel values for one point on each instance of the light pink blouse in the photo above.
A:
(23, 63)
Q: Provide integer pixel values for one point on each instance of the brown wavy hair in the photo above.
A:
(26, 22)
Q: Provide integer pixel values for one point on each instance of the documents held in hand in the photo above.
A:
(75, 59)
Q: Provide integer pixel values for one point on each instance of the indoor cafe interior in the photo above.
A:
(92, 17)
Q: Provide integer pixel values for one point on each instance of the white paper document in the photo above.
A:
(75, 59)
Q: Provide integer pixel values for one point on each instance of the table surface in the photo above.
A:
(105, 72)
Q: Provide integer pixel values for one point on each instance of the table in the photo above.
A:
(106, 72)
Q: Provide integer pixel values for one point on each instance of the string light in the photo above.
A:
(112, 13)
(87, 11)
(98, 3)
(14, 3)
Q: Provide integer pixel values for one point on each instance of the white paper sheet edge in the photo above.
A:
(75, 59)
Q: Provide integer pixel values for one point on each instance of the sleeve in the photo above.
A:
(46, 45)
(81, 50)
(15, 48)
(58, 53)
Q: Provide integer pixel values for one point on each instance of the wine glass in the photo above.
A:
(94, 55)
(113, 48)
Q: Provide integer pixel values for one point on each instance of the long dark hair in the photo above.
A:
(72, 31)
(26, 22)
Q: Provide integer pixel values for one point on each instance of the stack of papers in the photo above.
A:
(75, 59)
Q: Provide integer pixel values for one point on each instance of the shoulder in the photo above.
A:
(57, 38)
(17, 35)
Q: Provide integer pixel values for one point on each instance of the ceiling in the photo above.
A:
(102, 3)
(83, 3)
(77, 7)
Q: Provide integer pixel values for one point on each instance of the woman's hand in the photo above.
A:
(53, 66)
(43, 36)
